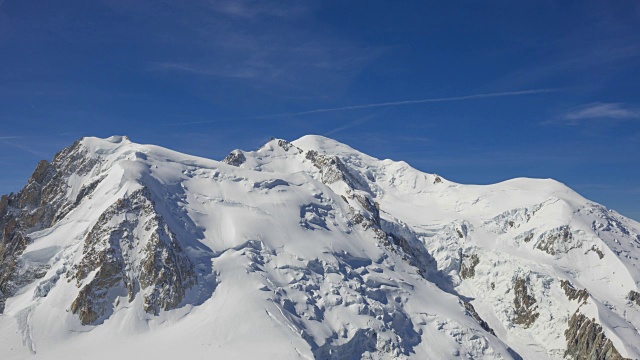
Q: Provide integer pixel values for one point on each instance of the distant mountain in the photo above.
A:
(308, 249)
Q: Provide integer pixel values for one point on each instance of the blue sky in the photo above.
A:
(477, 92)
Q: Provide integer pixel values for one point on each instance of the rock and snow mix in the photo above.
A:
(307, 249)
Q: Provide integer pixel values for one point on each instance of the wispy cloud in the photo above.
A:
(26, 148)
(602, 111)
(419, 101)
(247, 9)
(277, 49)
(595, 113)
(590, 63)
(609, 188)
(593, 58)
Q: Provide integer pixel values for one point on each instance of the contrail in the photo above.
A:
(384, 104)
(420, 101)
(202, 122)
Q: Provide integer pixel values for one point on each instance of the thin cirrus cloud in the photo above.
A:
(599, 111)
(254, 9)
(275, 47)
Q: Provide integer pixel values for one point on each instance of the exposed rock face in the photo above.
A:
(634, 296)
(4, 203)
(474, 314)
(235, 158)
(559, 240)
(398, 239)
(574, 294)
(597, 251)
(288, 146)
(39, 205)
(586, 340)
(13, 243)
(332, 169)
(131, 247)
(524, 304)
(468, 265)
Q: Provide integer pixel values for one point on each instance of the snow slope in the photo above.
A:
(308, 249)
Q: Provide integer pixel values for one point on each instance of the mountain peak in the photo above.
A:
(118, 139)
(309, 249)
(104, 145)
(325, 145)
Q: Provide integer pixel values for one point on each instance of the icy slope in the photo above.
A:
(308, 250)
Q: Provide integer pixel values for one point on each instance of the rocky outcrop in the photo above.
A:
(472, 311)
(468, 265)
(368, 204)
(288, 146)
(93, 298)
(586, 340)
(524, 304)
(556, 241)
(131, 248)
(634, 296)
(13, 243)
(39, 205)
(333, 169)
(235, 158)
(164, 272)
(596, 250)
(574, 294)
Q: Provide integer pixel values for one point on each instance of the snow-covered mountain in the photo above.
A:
(307, 249)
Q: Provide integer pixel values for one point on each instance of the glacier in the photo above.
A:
(306, 250)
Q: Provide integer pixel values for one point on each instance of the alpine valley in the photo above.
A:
(306, 250)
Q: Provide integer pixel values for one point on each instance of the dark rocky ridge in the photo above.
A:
(39, 205)
(524, 304)
(634, 296)
(586, 340)
(574, 294)
(555, 241)
(468, 265)
(333, 169)
(472, 311)
(235, 158)
(160, 268)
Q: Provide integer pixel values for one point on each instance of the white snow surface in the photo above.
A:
(284, 271)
